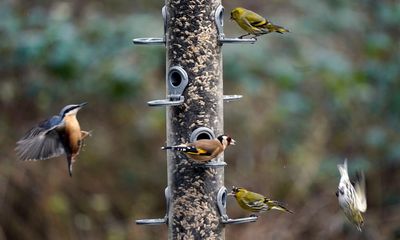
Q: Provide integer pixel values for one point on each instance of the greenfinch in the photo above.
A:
(204, 150)
(253, 23)
(255, 202)
(352, 200)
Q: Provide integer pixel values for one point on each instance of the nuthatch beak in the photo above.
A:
(82, 104)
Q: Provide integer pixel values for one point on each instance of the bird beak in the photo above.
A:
(232, 142)
(82, 104)
(231, 194)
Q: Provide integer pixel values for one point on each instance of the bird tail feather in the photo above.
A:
(280, 29)
(69, 162)
(180, 148)
(343, 168)
(276, 205)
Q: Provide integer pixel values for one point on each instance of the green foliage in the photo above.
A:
(93, 54)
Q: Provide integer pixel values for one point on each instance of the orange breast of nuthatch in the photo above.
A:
(73, 132)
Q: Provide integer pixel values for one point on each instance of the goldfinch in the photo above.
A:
(352, 200)
(204, 150)
(253, 23)
(255, 202)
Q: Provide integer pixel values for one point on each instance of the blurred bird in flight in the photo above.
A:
(60, 134)
(352, 200)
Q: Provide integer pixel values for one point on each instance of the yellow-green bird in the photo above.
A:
(253, 23)
(255, 202)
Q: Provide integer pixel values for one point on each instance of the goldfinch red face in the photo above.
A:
(230, 141)
(226, 140)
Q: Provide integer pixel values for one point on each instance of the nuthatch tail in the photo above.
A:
(60, 134)
(204, 150)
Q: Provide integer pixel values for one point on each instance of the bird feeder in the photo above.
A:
(195, 196)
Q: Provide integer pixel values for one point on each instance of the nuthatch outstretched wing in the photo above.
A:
(60, 134)
(204, 150)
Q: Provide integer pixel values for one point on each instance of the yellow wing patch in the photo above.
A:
(198, 151)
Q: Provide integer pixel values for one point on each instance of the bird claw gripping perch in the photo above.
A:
(254, 38)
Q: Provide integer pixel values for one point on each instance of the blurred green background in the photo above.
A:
(328, 90)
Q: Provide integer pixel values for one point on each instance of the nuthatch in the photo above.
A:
(204, 150)
(60, 134)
